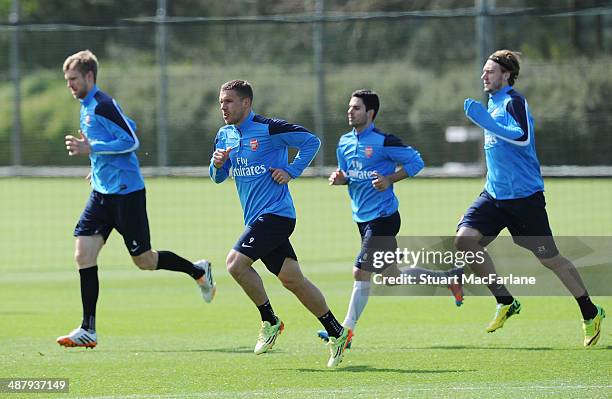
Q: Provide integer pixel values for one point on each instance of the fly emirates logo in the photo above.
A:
(356, 172)
(242, 168)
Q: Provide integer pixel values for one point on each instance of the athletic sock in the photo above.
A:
(588, 310)
(331, 325)
(90, 287)
(170, 261)
(359, 300)
(504, 300)
(501, 293)
(267, 314)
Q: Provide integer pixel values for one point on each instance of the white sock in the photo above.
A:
(359, 300)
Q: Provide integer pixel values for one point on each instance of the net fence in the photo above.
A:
(303, 67)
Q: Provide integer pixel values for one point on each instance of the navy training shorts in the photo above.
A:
(525, 218)
(127, 213)
(267, 238)
(377, 235)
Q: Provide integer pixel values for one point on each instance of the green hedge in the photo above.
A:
(569, 103)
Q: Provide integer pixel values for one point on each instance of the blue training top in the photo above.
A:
(259, 144)
(362, 154)
(513, 169)
(112, 137)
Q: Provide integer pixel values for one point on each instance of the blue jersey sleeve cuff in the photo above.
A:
(293, 171)
(413, 168)
(217, 175)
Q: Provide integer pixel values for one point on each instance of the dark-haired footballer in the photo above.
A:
(368, 161)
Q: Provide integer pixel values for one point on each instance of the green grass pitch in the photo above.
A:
(157, 338)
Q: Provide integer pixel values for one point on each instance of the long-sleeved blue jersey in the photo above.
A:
(513, 169)
(259, 144)
(360, 156)
(112, 137)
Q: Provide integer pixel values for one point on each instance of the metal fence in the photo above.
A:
(166, 72)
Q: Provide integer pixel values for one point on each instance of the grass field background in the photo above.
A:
(158, 339)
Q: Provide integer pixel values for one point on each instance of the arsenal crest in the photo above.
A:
(254, 144)
(369, 151)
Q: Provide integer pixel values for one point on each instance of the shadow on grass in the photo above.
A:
(241, 349)
(514, 348)
(369, 369)
(521, 348)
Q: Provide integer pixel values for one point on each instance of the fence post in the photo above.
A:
(162, 112)
(319, 67)
(14, 19)
(485, 31)
(485, 43)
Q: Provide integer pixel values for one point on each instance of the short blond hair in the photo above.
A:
(83, 61)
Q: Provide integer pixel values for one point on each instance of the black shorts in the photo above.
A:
(377, 235)
(525, 218)
(125, 212)
(267, 238)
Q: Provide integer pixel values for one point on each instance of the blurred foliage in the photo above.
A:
(422, 67)
(572, 115)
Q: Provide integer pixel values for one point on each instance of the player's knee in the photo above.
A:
(465, 243)
(83, 258)
(144, 262)
(143, 265)
(556, 262)
(291, 282)
(360, 275)
(233, 267)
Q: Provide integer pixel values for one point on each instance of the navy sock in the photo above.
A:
(90, 287)
(501, 293)
(267, 314)
(170, 261)
(332, 326)
(587, 308)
